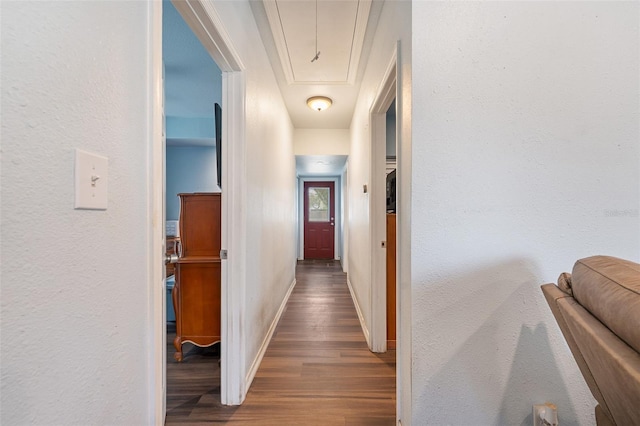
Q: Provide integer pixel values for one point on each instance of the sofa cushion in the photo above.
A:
(609, 288)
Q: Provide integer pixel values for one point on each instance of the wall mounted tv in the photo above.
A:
(218, 120)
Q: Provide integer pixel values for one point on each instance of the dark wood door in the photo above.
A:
(319, 220)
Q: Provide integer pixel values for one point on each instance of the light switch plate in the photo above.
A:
(91, 177)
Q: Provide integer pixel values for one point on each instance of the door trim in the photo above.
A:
(403, 235)
(333, 198)
(337, 253)
(395, 84)
(387, 93)
(233, 386)
(206, 24)
(156, 214)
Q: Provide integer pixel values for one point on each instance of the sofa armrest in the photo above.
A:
(553, 294)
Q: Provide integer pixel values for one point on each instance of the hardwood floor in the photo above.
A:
(316, 371)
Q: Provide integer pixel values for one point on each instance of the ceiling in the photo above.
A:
(345, 31)
(320, 165)
(332, 29)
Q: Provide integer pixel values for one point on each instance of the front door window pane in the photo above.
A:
(318, 205)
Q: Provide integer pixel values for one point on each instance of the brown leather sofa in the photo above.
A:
(598, 310)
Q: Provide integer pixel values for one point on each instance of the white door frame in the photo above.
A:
(337, 239)
(387, 93)
(206, 24)
(403, 235)
(155, 265)
(393, 86)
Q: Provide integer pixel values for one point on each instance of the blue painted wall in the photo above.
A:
(192, 80)
(193, 83)
(189, 169)
(191, 128)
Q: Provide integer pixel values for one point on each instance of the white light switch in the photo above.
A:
(91, 181)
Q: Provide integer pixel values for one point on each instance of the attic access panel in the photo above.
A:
(341, 28)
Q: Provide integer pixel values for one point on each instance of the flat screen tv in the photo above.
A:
(218, 120)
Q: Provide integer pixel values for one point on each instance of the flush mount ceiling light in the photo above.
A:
(319, 103)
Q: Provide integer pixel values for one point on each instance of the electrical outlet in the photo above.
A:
(545, 414)
(172, 229)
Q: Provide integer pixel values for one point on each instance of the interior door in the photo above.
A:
(319, 220)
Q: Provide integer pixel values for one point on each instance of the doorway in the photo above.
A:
(338, 203)
(382, 207)
(207, 25)
(319, 220)
(391, 239)
(192, 92)
(391, 92)
(383, 174)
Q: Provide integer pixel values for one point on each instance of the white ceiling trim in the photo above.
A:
(362, 19)
(273, 15)
(357, 42)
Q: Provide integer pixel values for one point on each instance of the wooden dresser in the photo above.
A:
(196, 295)
(391, 280)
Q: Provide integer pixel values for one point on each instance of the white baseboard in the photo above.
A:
(365, 330)
(265, 343)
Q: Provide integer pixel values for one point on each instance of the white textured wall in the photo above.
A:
(357, 221)
(525, 158)
(75, 309)
(321, 141)
(393, 25)
(271, 180)
(344, 213)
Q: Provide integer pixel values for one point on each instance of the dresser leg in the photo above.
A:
(177, 343)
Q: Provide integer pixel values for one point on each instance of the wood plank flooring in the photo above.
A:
(316, 371)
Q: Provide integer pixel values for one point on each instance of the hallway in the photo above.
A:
(316, 371)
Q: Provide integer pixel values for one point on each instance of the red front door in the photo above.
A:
(319, 220)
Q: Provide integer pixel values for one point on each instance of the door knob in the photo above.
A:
(170, 258)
